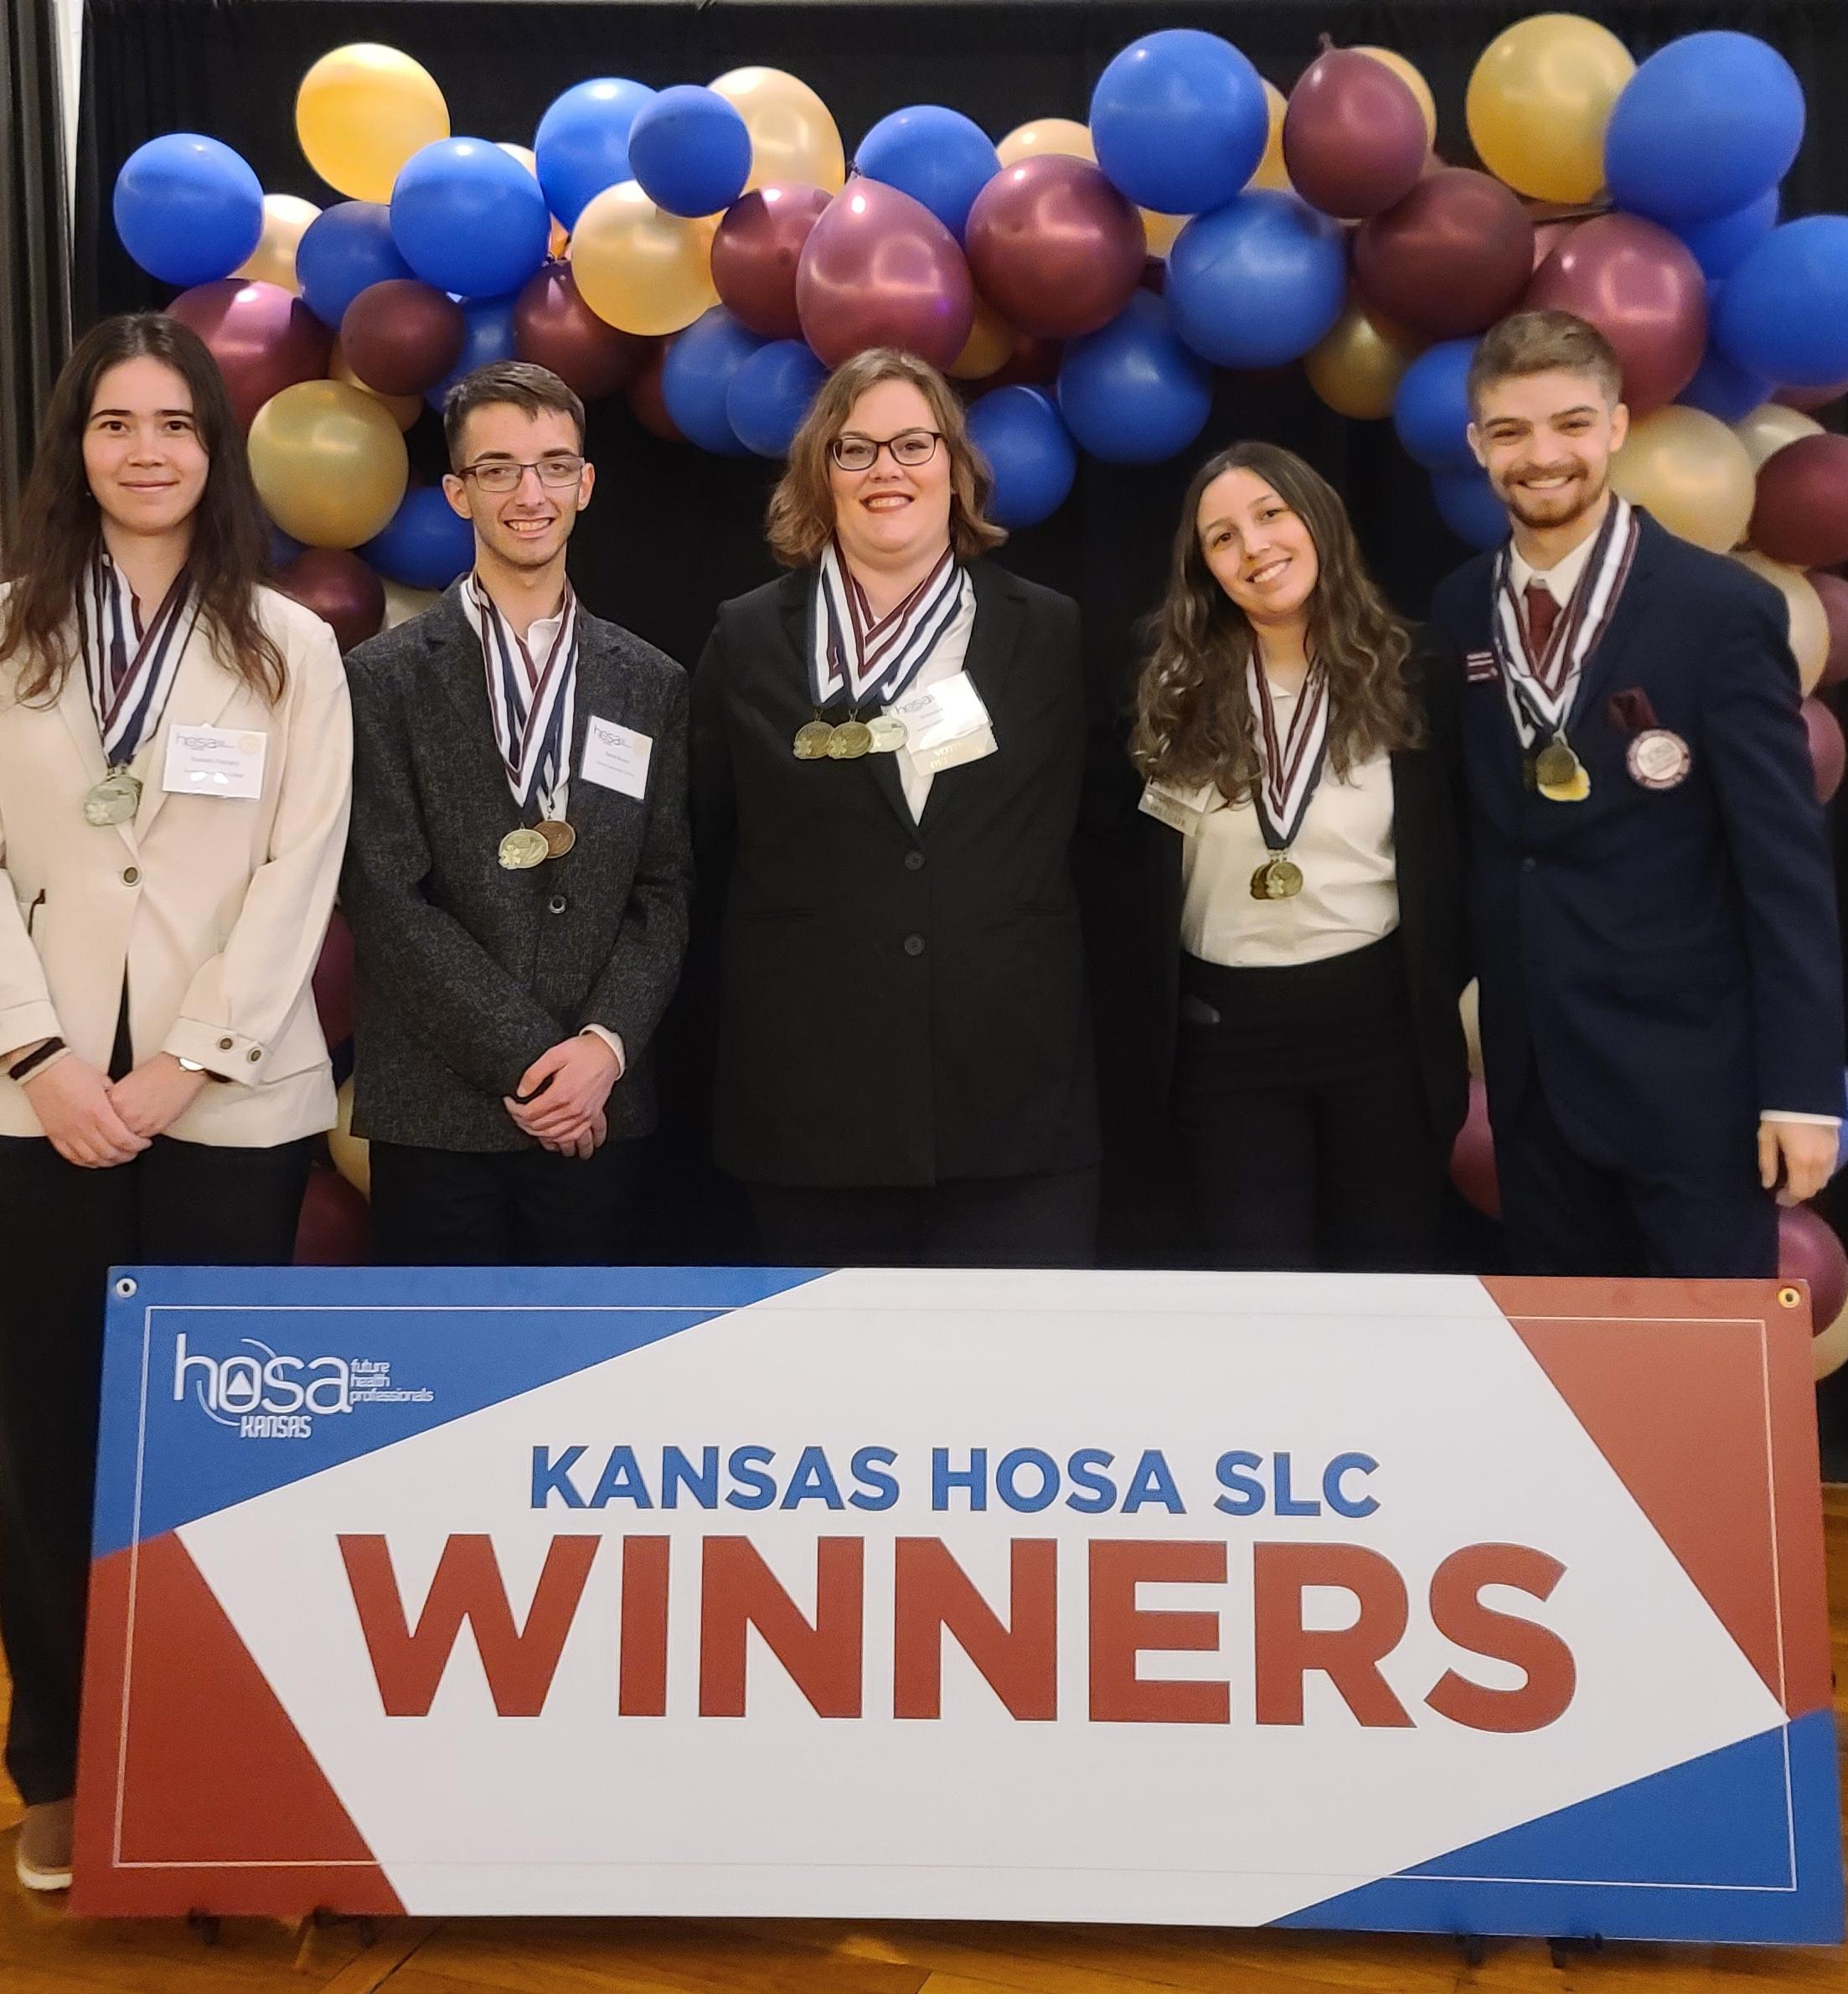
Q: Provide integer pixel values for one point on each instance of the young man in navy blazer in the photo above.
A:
(1652, 906)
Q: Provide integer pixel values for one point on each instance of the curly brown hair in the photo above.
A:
(1194, 722)
(60, 526)
(801, 520)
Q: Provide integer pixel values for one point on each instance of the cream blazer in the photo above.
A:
(213, 909)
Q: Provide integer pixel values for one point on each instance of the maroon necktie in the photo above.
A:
(1542, 613)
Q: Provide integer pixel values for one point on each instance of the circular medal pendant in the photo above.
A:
(888, 733)
(114, 800)
(1283, 880)
(812, 741)
(558, 836)
(1554, 766)
(852, 739)
(521, 850)
(1572, 791)
(1659, 760)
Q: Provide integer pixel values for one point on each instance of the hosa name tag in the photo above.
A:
(215, 761)
(616, 757)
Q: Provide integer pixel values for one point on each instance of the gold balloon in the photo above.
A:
(1770, 426)
(1691, 473)
(1064, 137)
(362, 111)
(402, 603)
(1809, 619)
(1413, 77)
(1160, 231)
(1272, 173)
(406, 409)
(329, 463)
(1356, 366)
(1539, 99)
(986, 350)
(639, 268)
(285, 217)
(793, 135)
(352, 1153)
(1469, 1007)
(1829, 1351)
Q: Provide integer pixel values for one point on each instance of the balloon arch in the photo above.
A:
(705, 251)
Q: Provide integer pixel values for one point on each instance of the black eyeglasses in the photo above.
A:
(503, 474)
(910, 448)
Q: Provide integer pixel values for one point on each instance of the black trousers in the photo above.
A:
(61, 1228)
(1565, 1215)
(1301, 1113)
(1048, 1219)
(507, 1208)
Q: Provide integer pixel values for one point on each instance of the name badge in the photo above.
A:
(616, 757)
(226, 762)
(949, 711)
(1182, 813)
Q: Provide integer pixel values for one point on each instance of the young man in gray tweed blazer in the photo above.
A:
(519, 870)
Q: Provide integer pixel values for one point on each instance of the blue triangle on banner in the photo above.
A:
(220, 1384)
(1742, 1844)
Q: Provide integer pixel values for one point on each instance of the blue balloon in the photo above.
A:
(938, 156)
(343, 252)
(1257, 281)
(696, 377)
(1721, 243)
(770, 393)
(1431, 410)
(1180, 120)
(283, 548)
(1029, 450)
(1841, 1145)
(1132, 393)
(488, 337)
(188, 209)
(1706, 125)
(689, 150)
(582, 143)
(1469, 508)
(426, 543)
(1785, 309)
(468, 217)
(1724, 390)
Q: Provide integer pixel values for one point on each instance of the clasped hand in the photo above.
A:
(565, 1090)
(97, 1123)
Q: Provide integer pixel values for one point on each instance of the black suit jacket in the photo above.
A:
(899, 1002)
(1428, 862)
(1665, 960)
(465, 972)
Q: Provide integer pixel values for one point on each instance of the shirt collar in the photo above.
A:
(1560, 580)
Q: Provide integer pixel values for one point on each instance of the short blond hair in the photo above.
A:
(801, 520)
(1539, 343)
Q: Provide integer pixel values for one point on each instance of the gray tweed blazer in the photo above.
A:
(466, 972)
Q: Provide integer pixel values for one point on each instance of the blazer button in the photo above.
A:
(914, 861)
(914, 945)
(556, 904)
(131, 876)
(1530, 863)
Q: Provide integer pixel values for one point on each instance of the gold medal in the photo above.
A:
(812, 741)
(558, 836)
(888, 733)
(1574, 791)
(1555, 766)
(851, 740)
(1277, 879)
(521, 850)
(114, 800)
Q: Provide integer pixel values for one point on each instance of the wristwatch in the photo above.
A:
(188, 1065)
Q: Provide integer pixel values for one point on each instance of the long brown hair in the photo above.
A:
(60, 525)
(801, 508)
(1193, 713)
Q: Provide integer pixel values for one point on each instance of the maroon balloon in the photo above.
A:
(334, 982)
(1809, 400)
(757, 249)
(1055, 248)
(1473, 1156)
(1808, 1250)
(264, 339)
(1801, 515)
(1641, 288)
(1451, 258)
(878, 269)
(554, 327)
(1354, 136)
(1548, 236)
(1834, 591)
(1828, 752)
(401, 337)
(646, 403)
(336, 1223)
(340, 589)
(1032, 364)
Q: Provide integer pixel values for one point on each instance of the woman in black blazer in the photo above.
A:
(1299, 747)
(887, 749)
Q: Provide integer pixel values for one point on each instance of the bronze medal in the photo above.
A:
(521, 850)
(812, 741)
(558, 836)
(851, 740)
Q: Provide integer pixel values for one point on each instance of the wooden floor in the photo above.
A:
(44, 1952)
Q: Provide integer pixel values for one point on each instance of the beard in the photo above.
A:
(1548, 509)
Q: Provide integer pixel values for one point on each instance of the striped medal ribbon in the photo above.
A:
(1290, 767)
(532, 703)
(130, 672)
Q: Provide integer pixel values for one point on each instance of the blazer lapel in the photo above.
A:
(203, 692)
(453, 656)
(1627, 619)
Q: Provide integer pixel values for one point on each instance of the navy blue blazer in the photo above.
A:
(1666, 960)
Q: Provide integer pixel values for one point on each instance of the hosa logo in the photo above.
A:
(264, 1396)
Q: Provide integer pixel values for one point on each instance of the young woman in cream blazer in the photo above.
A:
(175, 758)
